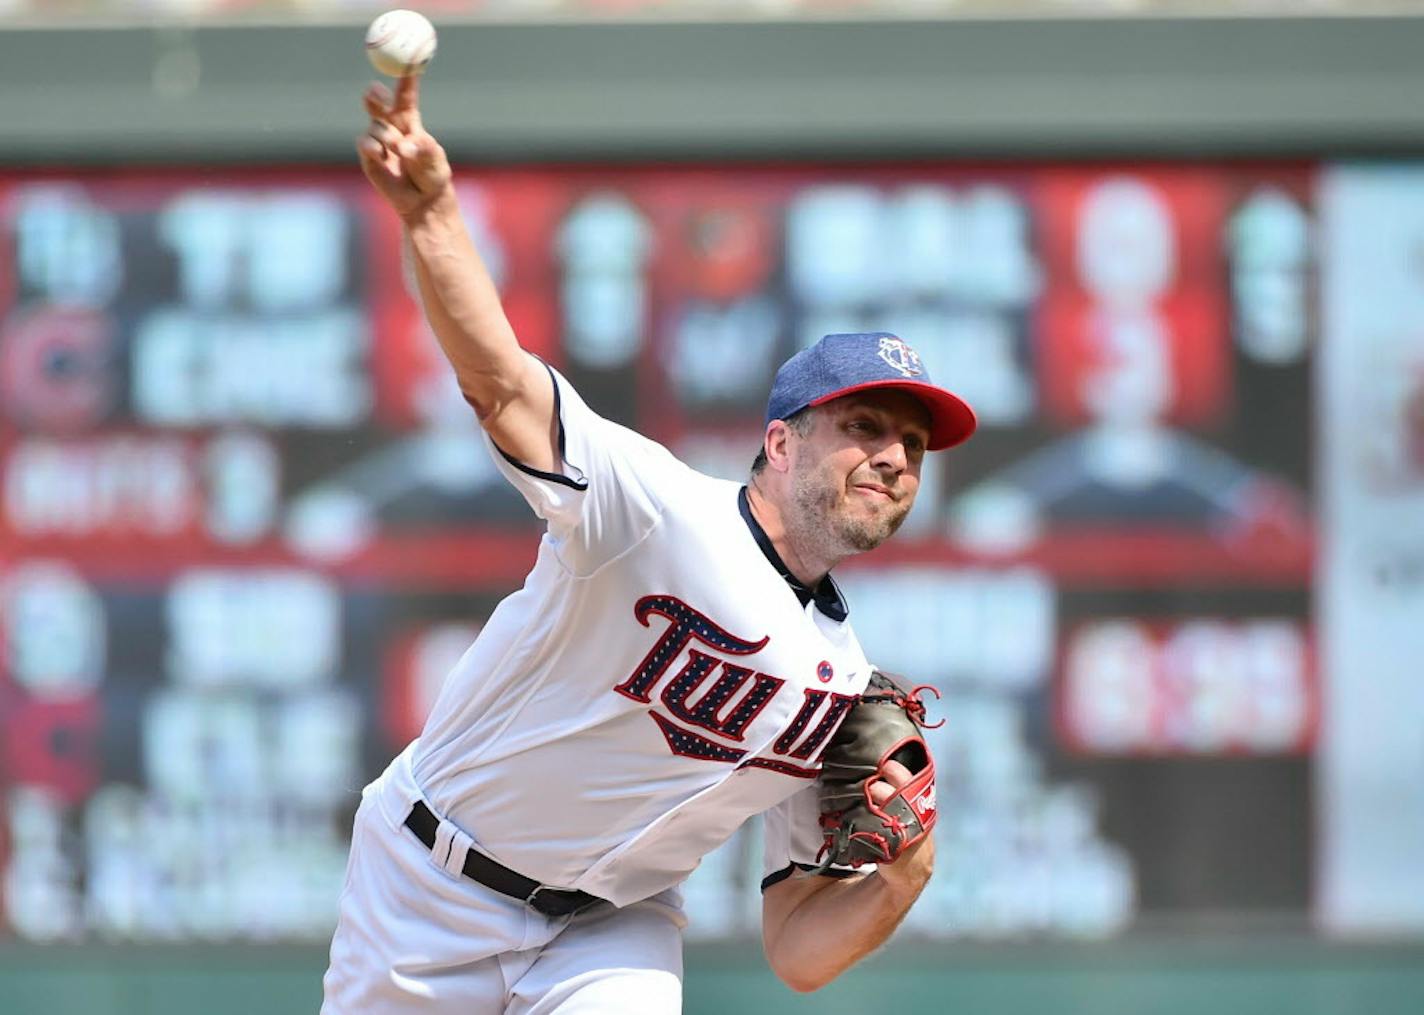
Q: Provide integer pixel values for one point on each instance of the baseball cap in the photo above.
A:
(840, 365)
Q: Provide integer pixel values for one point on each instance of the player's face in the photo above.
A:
(855, 475)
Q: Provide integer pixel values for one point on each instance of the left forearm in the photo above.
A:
(835, 926)
(815, 928)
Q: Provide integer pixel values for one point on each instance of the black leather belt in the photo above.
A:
(478, 867)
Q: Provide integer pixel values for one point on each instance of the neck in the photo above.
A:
(766, 507)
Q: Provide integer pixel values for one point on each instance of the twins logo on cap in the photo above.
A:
(846, 364)
(900, 356)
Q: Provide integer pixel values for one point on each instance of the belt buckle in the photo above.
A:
(547, 908)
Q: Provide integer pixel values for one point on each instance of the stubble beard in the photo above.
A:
(822, 518)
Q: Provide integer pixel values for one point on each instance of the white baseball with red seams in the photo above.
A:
(400, 43)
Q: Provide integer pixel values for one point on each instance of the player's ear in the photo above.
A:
(775, 444)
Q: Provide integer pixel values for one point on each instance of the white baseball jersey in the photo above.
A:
(656, 681)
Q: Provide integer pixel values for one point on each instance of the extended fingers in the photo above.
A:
(425, 161)
(384, 134)
(378, 100)
(405, 163)
(376, 162)
(380, 134)
(407, 100)
(369, 147)
(401, 110)
(375, 146)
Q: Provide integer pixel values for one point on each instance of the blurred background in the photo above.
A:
(1173, 593)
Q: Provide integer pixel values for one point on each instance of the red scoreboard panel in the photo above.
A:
(246, 521)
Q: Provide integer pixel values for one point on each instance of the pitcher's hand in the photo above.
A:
(405, 164)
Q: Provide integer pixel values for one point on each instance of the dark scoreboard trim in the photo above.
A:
(1063, 88)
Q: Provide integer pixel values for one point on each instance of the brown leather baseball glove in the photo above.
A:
(884, 725)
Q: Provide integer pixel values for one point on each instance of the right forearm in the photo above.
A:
(462, 305)
(508, 388)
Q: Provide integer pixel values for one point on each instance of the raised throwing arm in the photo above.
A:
(509, 390)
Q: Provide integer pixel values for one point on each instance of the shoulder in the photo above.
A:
(700, 494)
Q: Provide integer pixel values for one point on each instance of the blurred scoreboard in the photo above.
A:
(246, 523)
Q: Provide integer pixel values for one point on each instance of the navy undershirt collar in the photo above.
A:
(826, 595)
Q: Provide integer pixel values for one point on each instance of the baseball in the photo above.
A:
(400, 43)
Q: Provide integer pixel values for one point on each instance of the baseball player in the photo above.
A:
(674, 664)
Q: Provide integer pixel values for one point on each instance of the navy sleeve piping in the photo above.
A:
(551, 477)
(776, 877)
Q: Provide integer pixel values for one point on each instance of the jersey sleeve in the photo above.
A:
(791, 838)
(610, 488)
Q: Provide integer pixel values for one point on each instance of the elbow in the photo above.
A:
(488, 393)
(801, 983)
(800, 978)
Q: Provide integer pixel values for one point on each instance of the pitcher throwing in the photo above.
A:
(678, 660)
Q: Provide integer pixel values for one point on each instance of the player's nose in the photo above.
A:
(891, 457)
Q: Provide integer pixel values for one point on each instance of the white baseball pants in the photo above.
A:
(415, 937)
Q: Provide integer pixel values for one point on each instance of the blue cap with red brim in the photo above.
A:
(840, 365)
